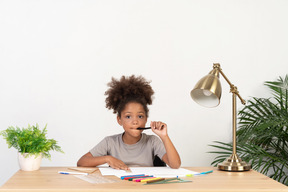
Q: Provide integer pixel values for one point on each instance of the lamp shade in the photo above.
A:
(207, 91)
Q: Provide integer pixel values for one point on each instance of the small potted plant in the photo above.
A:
(31, 144)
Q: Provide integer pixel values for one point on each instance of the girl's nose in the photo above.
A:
(135, 121)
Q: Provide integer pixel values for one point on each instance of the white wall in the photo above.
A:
(57, 56)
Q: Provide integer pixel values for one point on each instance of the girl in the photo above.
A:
(129, 97)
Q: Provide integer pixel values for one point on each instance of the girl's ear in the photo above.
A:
(119, 120)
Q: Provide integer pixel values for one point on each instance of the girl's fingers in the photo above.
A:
(157, 125)
(160, 125)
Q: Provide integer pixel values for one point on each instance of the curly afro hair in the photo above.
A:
(126, 90)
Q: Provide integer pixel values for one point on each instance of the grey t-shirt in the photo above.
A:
(139, 154)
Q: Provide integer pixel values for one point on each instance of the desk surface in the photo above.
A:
(48, 179)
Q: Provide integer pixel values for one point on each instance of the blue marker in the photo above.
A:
(72, 173)
(202, 173)
(122, 177)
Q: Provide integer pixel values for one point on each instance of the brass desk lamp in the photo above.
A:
(207, 92)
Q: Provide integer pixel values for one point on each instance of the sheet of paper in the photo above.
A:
(111, 171)
(162, 171)
(155, 171)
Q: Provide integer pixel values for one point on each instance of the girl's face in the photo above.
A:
(132, 117)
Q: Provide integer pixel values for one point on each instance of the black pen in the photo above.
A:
(143, 128)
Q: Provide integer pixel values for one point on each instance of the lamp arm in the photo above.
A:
(233, 88)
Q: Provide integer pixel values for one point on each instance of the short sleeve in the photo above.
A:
(101, 149)
(158, 147)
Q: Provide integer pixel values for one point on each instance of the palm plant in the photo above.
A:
(262, 136)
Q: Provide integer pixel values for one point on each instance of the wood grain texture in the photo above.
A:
(48, 179)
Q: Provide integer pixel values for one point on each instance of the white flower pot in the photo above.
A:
(29, 162)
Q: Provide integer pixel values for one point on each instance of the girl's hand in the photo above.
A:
(159, 128)
(116, 163)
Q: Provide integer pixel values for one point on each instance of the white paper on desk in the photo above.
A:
(155, 171)
(111, 171)
(162, 171)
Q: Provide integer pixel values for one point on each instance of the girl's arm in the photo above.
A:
(88, 160)
(171, 157)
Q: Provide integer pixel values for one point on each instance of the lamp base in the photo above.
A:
(234, 163)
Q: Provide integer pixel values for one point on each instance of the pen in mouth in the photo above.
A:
(143, 128)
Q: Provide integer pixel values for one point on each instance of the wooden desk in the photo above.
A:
(48, 179)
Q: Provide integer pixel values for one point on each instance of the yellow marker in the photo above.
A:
(155, 180)
(151, 179)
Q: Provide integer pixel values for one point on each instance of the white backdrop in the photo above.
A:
(57, 56)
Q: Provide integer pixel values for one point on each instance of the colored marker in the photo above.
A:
(155, 180)
(122, 177)
(141, 177)
(150, 179)
(127, 178)
(72, 173)
(202, 173)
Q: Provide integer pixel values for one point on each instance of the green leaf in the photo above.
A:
(262, 133)
(30, 140)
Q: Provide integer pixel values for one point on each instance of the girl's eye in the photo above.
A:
(140, 116)
(128, 116)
